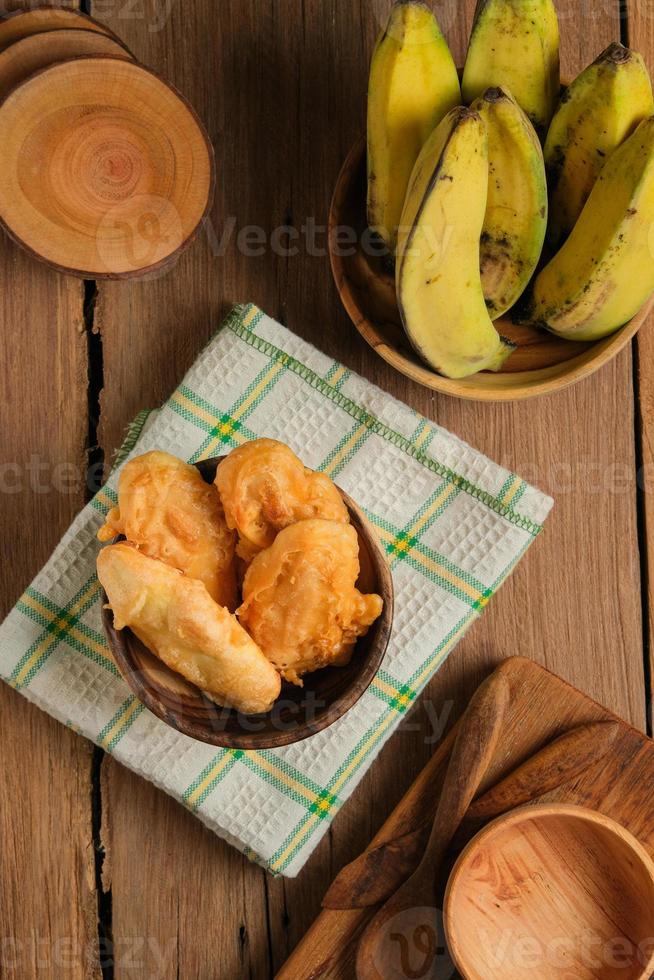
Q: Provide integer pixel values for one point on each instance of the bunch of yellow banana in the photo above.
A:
(463, 197)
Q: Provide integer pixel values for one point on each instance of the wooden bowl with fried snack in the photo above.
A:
(299, 712)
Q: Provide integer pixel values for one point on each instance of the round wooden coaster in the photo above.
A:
(107, 170)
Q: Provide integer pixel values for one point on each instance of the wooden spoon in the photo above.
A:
(409, 920)
(377, 873)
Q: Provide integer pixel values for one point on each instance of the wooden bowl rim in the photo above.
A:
(52, 7)
(168, 260)
(253, 740)
(549, 380)
(457, 945)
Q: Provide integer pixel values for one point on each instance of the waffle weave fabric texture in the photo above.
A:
(453, 523)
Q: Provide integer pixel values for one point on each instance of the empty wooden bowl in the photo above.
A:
(107, 171)
(300, 712)
(542, 363)
(552, 892)
(31, 54)
(24, 23)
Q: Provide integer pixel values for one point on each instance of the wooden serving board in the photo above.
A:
(542, 707)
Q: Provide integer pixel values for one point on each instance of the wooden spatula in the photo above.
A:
(410, 911)
(379, 871)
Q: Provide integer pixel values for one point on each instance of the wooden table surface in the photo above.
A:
(91, 853)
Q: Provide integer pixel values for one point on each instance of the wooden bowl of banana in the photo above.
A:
(541, 364)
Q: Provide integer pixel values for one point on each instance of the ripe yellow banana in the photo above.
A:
(596, 114)
(604, 273)
(437, 270)
(515, 44)
(516, 213)
(413, 84)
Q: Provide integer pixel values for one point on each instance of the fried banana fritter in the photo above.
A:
(300, 601)
(264, 488)
(178, 621)
(168, 511)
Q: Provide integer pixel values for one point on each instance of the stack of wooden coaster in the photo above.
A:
(107, 170)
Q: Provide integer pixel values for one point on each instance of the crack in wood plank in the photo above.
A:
(638, 30)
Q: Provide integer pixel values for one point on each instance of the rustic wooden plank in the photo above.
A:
(282, 88)
(227, 58)
(48, 913)
(639, 29)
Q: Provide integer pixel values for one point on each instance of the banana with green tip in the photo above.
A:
(437, 270)
(597, 112)
(604, 273)
(413, 85)
(516, 213)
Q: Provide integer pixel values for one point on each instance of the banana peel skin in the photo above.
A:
(597, 112)
(516, 212)
(604, 273)
(515, 45)
(413, 85)
(438, 278)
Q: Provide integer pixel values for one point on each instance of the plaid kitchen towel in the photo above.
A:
(454, 525)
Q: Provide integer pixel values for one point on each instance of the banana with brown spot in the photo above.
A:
(437, 271)
(604, 273)
(516, 213)
(515, 45)
(597, 112)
